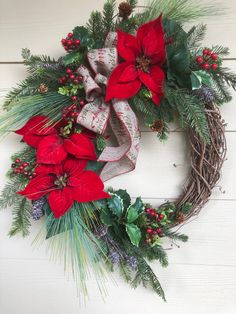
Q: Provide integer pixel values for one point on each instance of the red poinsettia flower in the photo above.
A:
(65, 184)
(53, 148)
(144, 56)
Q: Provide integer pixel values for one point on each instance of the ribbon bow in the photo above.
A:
(97, 114)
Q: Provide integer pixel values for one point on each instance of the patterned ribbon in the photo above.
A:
(96, 115)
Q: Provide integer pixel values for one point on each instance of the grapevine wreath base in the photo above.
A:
(78, 118)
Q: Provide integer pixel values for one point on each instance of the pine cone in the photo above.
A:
(42, 89)
(157, 126)
(125, 10)
(180, 218)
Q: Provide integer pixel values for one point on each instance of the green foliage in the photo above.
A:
(200, 78)
(180, 11)
(108, 15)
(115, 204)
(73, 242)
(147, 278)
(134, 233)
(195, 36)
(21, 216)
(228, 77)
(94, 28)
(190, 111)
(49, 104)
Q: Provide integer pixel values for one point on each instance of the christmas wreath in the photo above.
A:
(78, 118)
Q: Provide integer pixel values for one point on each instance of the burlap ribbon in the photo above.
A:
(97, 113)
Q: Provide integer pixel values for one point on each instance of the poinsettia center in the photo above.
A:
(143, 63)
(61, 181)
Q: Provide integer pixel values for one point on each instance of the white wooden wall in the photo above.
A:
(201, 277)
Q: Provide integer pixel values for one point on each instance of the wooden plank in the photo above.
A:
(40, 287)
(41, 25)
(208, 235)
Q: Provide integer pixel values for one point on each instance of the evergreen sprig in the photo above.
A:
(108, 16)
(21, 216)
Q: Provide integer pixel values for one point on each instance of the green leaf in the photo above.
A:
(134, 234)
(72, 57)
(82, 33)
(132, 214)
(95, 166)
(138, 205)
(200, 77)
(196, 81)
(106, 218)
(125, 197)
(115, 204)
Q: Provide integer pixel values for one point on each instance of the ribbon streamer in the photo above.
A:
(97, 114)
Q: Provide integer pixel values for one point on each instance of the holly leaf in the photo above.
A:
(134, 234)
(81, 33)
(72, 57)
(125, 197)
(198, 78)
(132, 214)
(106, 218)
(138, 205)
(116, 205)
(196, 81)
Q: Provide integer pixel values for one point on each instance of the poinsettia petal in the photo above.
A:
(127, 46)
(49, 169)
(121, 90)
(51, 150)
(153, 80)
(129, 74)
(151, 40)
(60, 201)
(37, 125)
(80, 146)
(90, 188)
(32, 139)
(38, 187)
(73, 167)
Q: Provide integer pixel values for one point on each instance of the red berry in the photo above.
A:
(81, 103)
(76, 81)
(63, 41)
(158, 231)
(30, 177)
(74, 106)
(26, 173)
(68, 71)
(21, 167)
(76, 114)
(149, 230)
(161, 216)
(153, 213)
(70, 35)
(63, 78)
(73, 98)
(17, 160)
(72, 76)
(80, 78)
(209, 53)
(148, 210)
(199, 59)
(69, 42)
(214, 66)
(214, 56)
(77, 42)
(205, 52)
(64, 116)
(34, 174)
(206, 66)
(25, 164)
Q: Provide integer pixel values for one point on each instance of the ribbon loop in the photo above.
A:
(96, 114)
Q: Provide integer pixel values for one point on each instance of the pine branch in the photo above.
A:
(195, 35)
(176, 236)
(108, 16)
(125, 272)
(225, 75)
(94, 27)
(21, 216)
(146, 276)
(190, 111)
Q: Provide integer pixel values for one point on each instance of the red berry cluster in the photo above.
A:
(154, 223)
(71, 112)
(208, 60)
(23, 167)
(70, 77)
(70, 43)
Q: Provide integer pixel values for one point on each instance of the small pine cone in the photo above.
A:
(42, 89)
(37, 208)
(114, 257)
(157, 126)
(132, 262)
(180, 218)
(125, 10)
